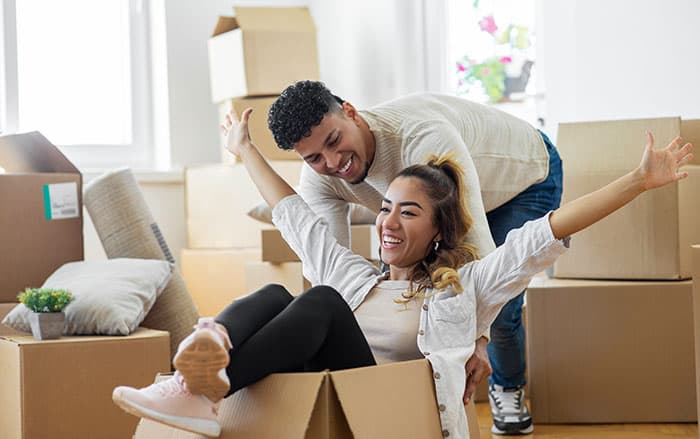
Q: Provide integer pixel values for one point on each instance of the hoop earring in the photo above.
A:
(436, 246)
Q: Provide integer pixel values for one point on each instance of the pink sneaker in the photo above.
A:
(170, 403)
(202, 358)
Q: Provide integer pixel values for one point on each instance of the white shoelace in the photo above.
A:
(509, 402)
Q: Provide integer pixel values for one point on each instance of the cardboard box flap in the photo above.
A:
(32, 152)
(291, 401)
(275, 19)
(377, 416)
(225, 24)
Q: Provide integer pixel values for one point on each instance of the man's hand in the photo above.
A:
(478, 368)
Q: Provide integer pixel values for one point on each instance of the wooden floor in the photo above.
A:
(603, 431)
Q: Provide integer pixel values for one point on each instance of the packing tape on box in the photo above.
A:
(127, 229)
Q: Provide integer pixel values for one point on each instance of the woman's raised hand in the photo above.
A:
(662, 166)
(236, 132)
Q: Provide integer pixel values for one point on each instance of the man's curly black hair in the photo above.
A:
(299, 108)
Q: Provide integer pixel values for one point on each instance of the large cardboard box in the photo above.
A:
(611, 352)
(649, 238)
(62, 389)
(260, 134)
(217, 200)
(287, 274)
(696, 320)
(41, 222)
(389, 401)
(364, 241)
(261, 51)
(216, 277)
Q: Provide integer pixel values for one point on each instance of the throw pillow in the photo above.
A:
(110, 297)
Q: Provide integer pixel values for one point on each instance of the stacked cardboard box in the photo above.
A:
(626, 322)
(253, 57)
(41, 218)
(696, 320)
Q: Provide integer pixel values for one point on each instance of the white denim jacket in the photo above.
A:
(448, 321)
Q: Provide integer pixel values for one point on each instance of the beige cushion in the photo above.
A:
(110, 297)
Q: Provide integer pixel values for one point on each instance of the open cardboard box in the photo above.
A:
(261, 51)
(41, 218)
(389, 401)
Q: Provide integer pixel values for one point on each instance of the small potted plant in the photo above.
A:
(47, 316)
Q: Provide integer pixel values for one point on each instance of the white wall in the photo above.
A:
(617, 59)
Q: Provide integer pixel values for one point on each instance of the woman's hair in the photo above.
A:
(441, 178)
(299, 108)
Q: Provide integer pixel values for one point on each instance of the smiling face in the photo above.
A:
(405, 226)
(340, 146)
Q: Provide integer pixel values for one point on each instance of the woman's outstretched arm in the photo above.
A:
(657, 168)
(271, 186)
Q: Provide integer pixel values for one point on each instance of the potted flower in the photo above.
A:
(47, 316)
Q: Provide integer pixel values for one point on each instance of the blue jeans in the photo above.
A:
(507, 346)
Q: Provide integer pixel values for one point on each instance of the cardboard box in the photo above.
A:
(363, 237)
(41, 217)
(5, 309)
(287, 274)
(216, 277)
(696, 320)
(649, 238)
(217, 200)
(367, 402)
(63, 388)
(611, 352)
(261, 51)
(257, 125)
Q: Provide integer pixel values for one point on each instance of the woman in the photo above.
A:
(424, 306)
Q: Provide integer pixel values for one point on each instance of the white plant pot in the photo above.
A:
(47, 325)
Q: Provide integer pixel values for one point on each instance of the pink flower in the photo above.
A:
(505, 59)
(460, 67)
(485, 71)
(488, 24)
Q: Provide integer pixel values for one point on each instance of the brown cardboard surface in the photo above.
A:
(287, 274)
(216, 277)
(610, 352)
(63, 388)
(217, 200)
(5, 308)
(260, 134)
(363, 237)
(696, 320)
(341, 404)
(246, 52)
(33, 246)
(690, 131)
(650, 237)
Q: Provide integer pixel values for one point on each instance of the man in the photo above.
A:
(353, 155)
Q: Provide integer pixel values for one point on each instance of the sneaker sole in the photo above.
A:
(527, 430)
(199, 362)
(193, 425)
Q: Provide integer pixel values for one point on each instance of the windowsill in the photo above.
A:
(169, 176)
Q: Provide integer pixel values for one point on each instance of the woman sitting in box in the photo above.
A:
(357, 315)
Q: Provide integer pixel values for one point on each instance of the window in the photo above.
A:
(78, 71)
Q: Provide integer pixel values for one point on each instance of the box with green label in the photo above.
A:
(41, 212)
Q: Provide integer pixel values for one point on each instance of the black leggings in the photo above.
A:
(273, 331)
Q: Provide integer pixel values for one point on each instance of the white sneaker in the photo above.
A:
(170, 403)
(202, 358)
(510, 413)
